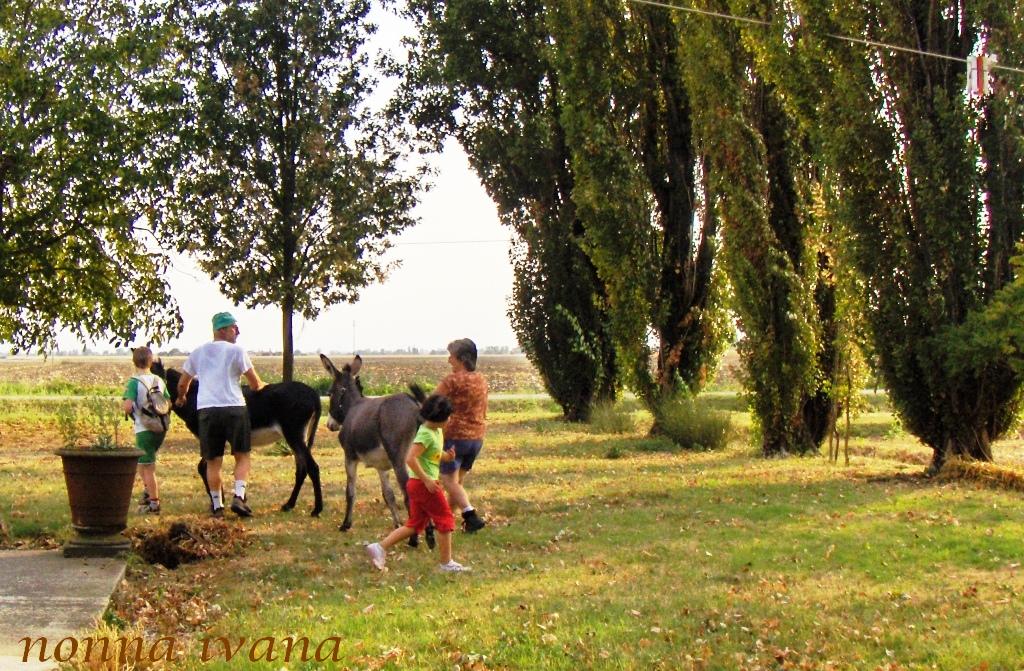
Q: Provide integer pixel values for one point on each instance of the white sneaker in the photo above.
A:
(376, 553)
(454, 567)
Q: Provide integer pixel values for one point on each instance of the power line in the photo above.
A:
(845, 38)
(450, 242)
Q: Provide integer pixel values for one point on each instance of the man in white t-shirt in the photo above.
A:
(223, 417)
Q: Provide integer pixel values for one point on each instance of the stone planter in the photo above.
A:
(99, 484)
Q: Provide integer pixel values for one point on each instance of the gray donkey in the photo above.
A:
(376, 431)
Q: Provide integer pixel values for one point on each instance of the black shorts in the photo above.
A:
(220, 425)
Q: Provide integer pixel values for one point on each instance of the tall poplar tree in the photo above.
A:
(927, 182)
(641, 189)
(290, 184)
(481, 71)
(775, 242)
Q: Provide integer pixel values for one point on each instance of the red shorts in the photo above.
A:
(424, 507)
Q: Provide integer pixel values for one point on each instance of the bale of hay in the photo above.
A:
(988, 474)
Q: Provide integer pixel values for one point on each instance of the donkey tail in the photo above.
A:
(417, 393)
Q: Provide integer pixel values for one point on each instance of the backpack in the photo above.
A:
(155, 410)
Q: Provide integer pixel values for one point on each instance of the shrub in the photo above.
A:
(692, 425)
(609, 418)
(92, 424)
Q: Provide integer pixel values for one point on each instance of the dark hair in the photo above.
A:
(464, 350)
(436, 408)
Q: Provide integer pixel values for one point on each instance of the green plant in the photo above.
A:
(91, 424)
(279, 449)
(610, 418)
(614, 452)
(895, 429)
(692, 425)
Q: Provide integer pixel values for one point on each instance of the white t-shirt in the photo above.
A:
(217, 365)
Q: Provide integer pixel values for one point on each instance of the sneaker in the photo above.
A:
(153, 507)
(240, 507)
(454, 567)
(471, 522)
(217, 513)
(377, 557)
(144, 499)
(428, 534)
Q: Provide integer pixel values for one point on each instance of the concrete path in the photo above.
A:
(44, 594)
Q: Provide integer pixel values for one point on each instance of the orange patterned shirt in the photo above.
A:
(468, 394)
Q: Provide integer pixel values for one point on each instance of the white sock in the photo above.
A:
(467, 509)
(240, 488)
(215, 497)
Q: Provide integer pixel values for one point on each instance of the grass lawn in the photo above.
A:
(657, 559)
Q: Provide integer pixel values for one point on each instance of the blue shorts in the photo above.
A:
(466, 452)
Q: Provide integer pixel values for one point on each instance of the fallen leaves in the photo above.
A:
(186, 542)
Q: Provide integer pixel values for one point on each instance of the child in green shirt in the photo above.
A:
(147, 441)
(427, 501)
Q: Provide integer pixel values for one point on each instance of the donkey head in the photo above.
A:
(345, 390)
(171, 376)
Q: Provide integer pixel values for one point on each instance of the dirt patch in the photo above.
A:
(187, 542)
(918, 479)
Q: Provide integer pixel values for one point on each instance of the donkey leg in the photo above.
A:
(350, 492)
(300, 476)
(389, 496)
(314, 476)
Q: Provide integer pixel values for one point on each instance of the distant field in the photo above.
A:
(101, 374)
(82, 375)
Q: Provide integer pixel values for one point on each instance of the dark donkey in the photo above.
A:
(289, 410)
(376, 431)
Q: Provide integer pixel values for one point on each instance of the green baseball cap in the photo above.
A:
(223, 320)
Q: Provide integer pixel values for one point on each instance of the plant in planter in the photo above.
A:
(99, 473)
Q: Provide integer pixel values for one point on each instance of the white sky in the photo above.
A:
(441, 256)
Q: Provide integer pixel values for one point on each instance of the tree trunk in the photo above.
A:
(287, 345)
(977, 447)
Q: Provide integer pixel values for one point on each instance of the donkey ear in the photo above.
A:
(357, 363)
(328, 365)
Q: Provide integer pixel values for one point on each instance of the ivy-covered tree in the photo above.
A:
(775, 240)
(290, 184)
(81, 101)
(926, 181)
(481, 71)
(641, 189)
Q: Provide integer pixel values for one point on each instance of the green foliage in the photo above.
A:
(614, 452)
(68, 424)
(58, 387)
(640, 189)
(90, 424)
(692, 425)
(482, 72)
(289, 185)
(611, 418)
(774, 244)
(81, 103)
(994, 332)
(577, 120)
(918, 178)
